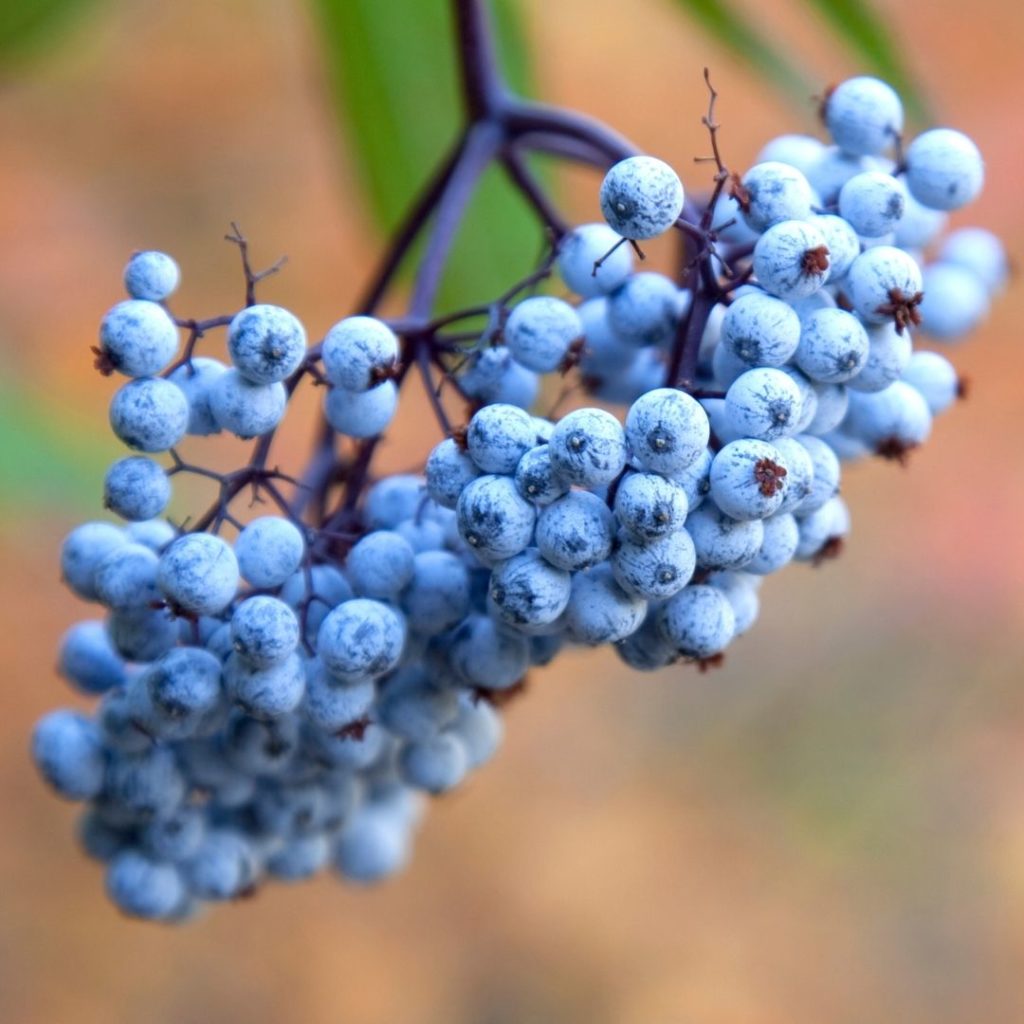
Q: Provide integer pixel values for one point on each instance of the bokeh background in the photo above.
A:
(831, 828)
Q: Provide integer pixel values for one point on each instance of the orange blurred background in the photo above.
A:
(830, 828)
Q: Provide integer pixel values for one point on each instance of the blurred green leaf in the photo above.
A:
(45, 461)
(734, 32)
(868, 37)
(28, 25)
(395, 82)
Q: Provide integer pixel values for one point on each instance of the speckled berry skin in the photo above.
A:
(199, 573)
(863, 115)
(138, 338)
(357, 350)
(764, 403)
(872, 203)
(438, 595)
(945, 171)
(126, 578)
(791, 259)
(935, 377)
(494, 520)
(832, 170)
(777, 192)
(269, 549)
(699, 621)
(980, 252)
(540, 330)
(536, 478)
(266, 343)
(641, 197)
(332, 705)
(575, 531)
(833, 346)
(361, 413)
(581, 248)
(655, 569)
(720, 541)
(759, 330)
(599, 610)
(749, 479)
(380, 565)
(666, 431)
(588, 447)
(264, 631)
(153, 276)
(499, 436)
(955, 301)
(245, 409)
(136, 488)
(184, 684)
(875, 275)
(889, 351)
(799, 472)
(361, 637)
(648, 505)
(269, 691)
(644, 311)
(494, 376)
(448, 471)
(843, 246)
(196, 378)
(149, 414)
(528, 590)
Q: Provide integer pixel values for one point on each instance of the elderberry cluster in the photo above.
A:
(278, 702)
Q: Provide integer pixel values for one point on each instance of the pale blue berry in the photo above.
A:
(759, 330)
(136, 488)
(791, 259)
(358, 352)
(833, 346)
(151, 275)
(699, 621)
(599, 610)
(863, 115)
(764, 403)
(527, 590)
(955, 301)
(499, 436)
(872, 203)
(980, 252)
(781, 536)
(380, 565)
(361, 413)
(655, 569)
(945, 171)
(720, 541)
(581, 248)
(540, 330)
(149, 414)
(266, 343)
(68, 751)
(934, 376)
(269, 549)
(644, 311)
(575, 531)
(649, 505)
(199, 573)
(883, 284)
(196, 378)
(244, 408)
(666, 430)
(588, 447)
(775, 192)
(536, 478)
(749, 479)
(641, 197)
(138, 338)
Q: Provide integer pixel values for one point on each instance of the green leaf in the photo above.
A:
(46, 461)
(394, 79)
(26, 26)
(868, 38)
(735, 33)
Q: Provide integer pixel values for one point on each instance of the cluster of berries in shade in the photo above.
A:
(278, 703)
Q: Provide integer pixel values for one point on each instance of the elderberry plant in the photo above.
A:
(276, 694)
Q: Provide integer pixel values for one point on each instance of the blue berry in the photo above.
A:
(358, 352)
(588, 447)
(480, 729)
(540, 330)
(641, 197)
(155, 534)
(264, 631)
(438, 596)
(373, 846)
(666, 431)
(955, 301)
(199, 573)
(699, 621)
(872, 203)
(147, 785)
(575, 531)
(266, 343)
(486, 655)
(944, 169)
(863, 115)
(764, 403)
(749, 479)
(246, 409)
(889, 351)
(177, 837)
(144, 888)
(269, 549)
(138, 338)
(581, 248)
(149, 414)
(759, 330)
(649, 505)
(799, 472)
(831, 171)
(299, 858)
(599, 610)
(361, 637)
(528, 590)
(980, 252)
(88, 660)
(935, 378)
(361, 413)
(493, 519)
(142, 634)
(655, 569)
(151, 275)
(536, 478)
(499, 436)
(920, 225)
(184, 683)
(791, 259)
(494, 376)
(775, 192)
(825, 475)
(332, 705)
(891, 421)
(720, 541)
(644, 310)
(136, 488)
(380, 565)
(68, 751)
(822, 527)
(435, 765)
(83, 550)
(833, 346)
(127, 578)
(223, 867)
(799, 151)
(448, 470)
(843, 248)
(196, 379)
(694, 479)
(265, 692)
(781, 536)
(604, 351)
(831, 401)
